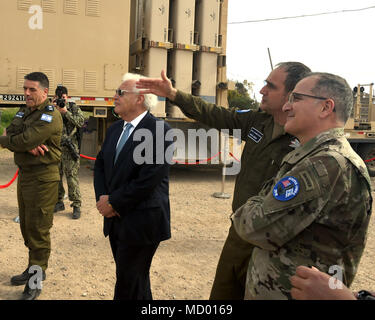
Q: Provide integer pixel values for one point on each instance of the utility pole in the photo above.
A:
(269, 56)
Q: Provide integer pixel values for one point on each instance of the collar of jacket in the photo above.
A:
(42, 106)
(301, 152)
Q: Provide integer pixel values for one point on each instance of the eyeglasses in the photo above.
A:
(297, 96)
(120, 92)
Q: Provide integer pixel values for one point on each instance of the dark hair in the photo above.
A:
(61, 89)
(40, 77)
(336, 88)
(295, 72)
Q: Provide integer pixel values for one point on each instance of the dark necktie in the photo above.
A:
(123, 139)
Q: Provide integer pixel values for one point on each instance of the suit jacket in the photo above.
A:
(138, 192)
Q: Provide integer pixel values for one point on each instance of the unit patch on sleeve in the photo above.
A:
(46, 117)
(255, 135)
(307, 180)
(286, 189)
(243, 110)
(20, 114)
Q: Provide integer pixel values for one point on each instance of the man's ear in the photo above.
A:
(328, 107)
(140, 99)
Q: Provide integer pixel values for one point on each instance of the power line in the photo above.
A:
(303, 16)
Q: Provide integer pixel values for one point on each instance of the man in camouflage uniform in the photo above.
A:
(34, 136)
(266, 143)
(316, 210)
(73, 120)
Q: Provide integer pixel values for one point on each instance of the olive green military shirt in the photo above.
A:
(31, 128)
(315, 213)
(266, 142)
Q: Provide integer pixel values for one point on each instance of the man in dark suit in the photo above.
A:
(132, 188)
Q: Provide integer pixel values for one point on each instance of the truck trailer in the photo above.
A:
(87, 46)
(360, 128)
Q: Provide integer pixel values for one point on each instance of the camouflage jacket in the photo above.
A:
(74, 118)
(314, 213)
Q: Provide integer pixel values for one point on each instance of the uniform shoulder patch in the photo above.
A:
(20, 114)
(49, 108)
(307, 180)
(255, 135)
(320, 168)
(46, 117)
(243, 110)
(286, 189)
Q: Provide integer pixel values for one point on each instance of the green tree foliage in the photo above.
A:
(7, 116)
(240, 98)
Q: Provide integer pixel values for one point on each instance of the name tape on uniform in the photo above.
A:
(255, 135)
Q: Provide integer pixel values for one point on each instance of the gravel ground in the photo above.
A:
(81, 266)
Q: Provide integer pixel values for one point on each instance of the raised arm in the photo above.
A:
(160, 87)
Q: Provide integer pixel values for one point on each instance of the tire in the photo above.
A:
(367, 152)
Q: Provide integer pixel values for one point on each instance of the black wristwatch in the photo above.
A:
(365, 295)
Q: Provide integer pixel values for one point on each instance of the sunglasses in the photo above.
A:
(120, 92)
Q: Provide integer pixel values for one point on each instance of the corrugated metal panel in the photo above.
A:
(93, 8)
(51, 74)
(91, 81)
(71, 6)
(49, 6)
(70, 79)
(23, 5)
(21, 72)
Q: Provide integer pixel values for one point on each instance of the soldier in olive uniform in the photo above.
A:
(34, 136)
(317, 209)
(73, 120)
(266, 143)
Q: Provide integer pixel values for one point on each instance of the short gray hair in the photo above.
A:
(150, 99)
(334, 87)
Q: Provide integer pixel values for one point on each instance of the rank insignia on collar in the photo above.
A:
(286, 189)
(295, 143)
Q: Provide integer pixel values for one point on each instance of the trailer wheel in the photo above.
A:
(367, 152)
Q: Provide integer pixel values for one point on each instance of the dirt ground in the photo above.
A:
(81, 266)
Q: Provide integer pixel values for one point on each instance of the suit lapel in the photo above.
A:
(112, 145)
(127, 150)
